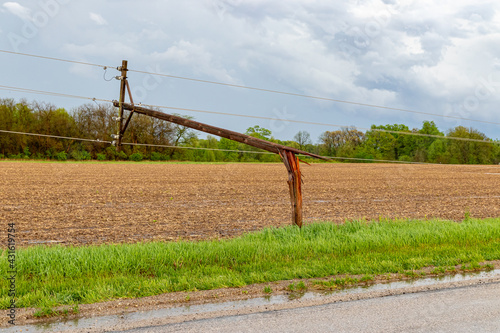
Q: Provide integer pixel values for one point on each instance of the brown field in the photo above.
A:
(92, 203)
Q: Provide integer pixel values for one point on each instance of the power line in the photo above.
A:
(319, 124)
(192, 148)
(49, 93)
(312, 97)
(248, 116)
(197, 148)
(54, 136)
(130, 143)
(269, 153)
(55, 59)
(256, 89)
(211, 149)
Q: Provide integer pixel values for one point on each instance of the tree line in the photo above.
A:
(96, 122)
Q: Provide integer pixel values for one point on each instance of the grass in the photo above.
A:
(268, 290)
(50, 312)
(52, 276)
(335, 283)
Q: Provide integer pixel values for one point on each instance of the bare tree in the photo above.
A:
(303, 138)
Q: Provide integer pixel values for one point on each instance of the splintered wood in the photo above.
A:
(292, 165)
(288, 154)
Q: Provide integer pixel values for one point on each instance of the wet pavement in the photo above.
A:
(255, 305)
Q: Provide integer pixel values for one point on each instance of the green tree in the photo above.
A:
(226, 144)
(259, 132)
(384, 145)
(437, 152)
(342, 142)
(469, 152)
(414, 147)
(7, 123)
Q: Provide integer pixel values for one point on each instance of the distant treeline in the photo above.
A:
(93, 121)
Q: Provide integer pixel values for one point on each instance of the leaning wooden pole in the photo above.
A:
(292, 165)
(287, 154)
(231, 135)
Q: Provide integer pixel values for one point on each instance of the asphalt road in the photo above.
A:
(474, 308)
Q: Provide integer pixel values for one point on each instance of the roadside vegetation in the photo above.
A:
(92, 121)
(51, 276)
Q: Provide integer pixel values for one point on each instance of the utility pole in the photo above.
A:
(287, 154)
(123, 86)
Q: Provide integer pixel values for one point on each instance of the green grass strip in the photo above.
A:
(55, 275)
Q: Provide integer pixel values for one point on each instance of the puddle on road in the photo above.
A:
(118, 320)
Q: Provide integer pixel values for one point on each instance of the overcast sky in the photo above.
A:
(440, 57)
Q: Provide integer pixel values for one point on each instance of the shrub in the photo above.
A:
(2, 156)
(101, 157)
(26, 152)
(156, 156)
(122, 156)
(136, 157)
(62, 156)
(111, 153)
(39, 156)
(80, 155)
(248, 158)
(209, 156)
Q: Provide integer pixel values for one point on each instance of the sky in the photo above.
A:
(439, 57)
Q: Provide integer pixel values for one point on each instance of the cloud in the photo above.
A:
(195, 57)
(18, 10)
(422, 55)
(98, 19)
(102, 50)
(85, 71)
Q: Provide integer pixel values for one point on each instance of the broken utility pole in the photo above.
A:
(288, 154)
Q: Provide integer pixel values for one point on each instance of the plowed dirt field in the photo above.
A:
(93, 203)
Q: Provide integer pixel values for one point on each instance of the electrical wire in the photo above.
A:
(215, 149)
(313, 97)
(49, 93)
(249, 116)
(54, 136)
(256, 88)
(104, 75)
(56, 59)
(132, 144)
(320, 124)
(269, 153)
(197, 148)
